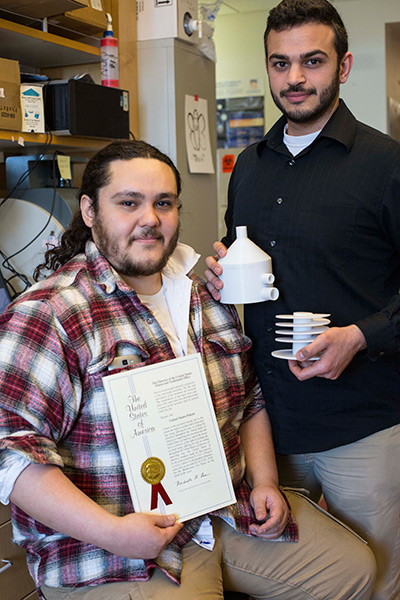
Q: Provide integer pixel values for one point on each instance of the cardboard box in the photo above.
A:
(32, 108)
(162, 19)
(41, 8)
(10, 105)
(88, 21)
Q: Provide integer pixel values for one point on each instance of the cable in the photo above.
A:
(6, 264)
(25, 174)
(50, 215)
(20, 276)
(15, 293)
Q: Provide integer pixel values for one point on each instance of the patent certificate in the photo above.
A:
(169, 438)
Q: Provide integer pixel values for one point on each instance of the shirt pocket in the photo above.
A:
(96, 423)
(135, 355)
(231, 342)
(224, 369)
(97, 369)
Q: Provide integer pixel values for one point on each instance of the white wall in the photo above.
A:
(240, 54)
(240, 51)
(365, 91)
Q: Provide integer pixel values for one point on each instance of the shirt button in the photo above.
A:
(272, 243)
(269, 329)
(292, 162)
(269, 372)
(279, 200)
(149, 321)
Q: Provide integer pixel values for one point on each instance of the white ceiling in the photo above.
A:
(231, 7)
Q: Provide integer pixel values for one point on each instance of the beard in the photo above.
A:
(125, 264)
(326, 98)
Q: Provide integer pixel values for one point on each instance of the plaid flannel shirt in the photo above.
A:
(56, 342)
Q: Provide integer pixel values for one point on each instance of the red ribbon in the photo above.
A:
(158, 489)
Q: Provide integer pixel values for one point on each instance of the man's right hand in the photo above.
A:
(214, 271)
(44, 492)
(141, 535)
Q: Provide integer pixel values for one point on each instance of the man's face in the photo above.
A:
(136, 225)
(304, 74)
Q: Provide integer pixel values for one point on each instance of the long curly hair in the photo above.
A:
(95, 177)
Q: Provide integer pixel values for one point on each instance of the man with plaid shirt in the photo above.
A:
(121, 288)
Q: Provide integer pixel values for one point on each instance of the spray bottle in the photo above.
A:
(109, 56)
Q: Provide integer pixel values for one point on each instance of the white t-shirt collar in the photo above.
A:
(297, 143)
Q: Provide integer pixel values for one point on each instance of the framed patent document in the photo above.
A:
(169, 439)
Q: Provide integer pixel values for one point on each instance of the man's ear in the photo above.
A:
(87, 211)
(345, 67)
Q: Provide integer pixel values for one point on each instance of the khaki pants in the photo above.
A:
(361, 486)
(328, 563)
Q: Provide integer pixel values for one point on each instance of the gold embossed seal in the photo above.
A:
(153, 471)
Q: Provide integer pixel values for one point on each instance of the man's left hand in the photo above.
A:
(336, 346)
(270, 509)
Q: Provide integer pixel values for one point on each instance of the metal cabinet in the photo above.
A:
(15, 581)
(168, 69)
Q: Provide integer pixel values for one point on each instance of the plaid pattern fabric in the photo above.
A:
(56, 342)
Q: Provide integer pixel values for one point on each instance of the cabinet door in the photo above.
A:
(15, 581)
(33, 596)
(4, 514)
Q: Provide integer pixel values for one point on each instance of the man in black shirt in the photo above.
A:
(321, 194)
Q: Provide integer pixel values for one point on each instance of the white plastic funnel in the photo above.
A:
(247, 272)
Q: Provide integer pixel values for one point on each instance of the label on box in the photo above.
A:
(10, 104)
(64, 166)
(32, 108)
(125, 101)
(96, 4)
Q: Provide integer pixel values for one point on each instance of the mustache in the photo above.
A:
(146, 232)
(297, 88)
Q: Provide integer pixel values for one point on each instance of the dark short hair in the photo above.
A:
(292, 13)
(96, 176)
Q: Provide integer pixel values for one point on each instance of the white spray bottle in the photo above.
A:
(109, 56)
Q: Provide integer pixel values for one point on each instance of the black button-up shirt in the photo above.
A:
(330, 220)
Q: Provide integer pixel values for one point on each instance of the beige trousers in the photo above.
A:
(328, 563)
(361, 486)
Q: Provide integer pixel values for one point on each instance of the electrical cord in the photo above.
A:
(42, 151)
(6, 259)
(49, 218)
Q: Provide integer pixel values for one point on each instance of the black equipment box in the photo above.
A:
(86, 109)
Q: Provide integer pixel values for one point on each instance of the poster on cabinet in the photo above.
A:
(198, 146)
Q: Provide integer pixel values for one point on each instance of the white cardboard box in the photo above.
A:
(165, 19)
(32, 108)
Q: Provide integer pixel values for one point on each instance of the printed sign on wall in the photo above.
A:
(198, 147)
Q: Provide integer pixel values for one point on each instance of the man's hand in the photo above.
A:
(45, 493)
(214, 271)
(140, 535)
(337, 347)
(269, 506)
